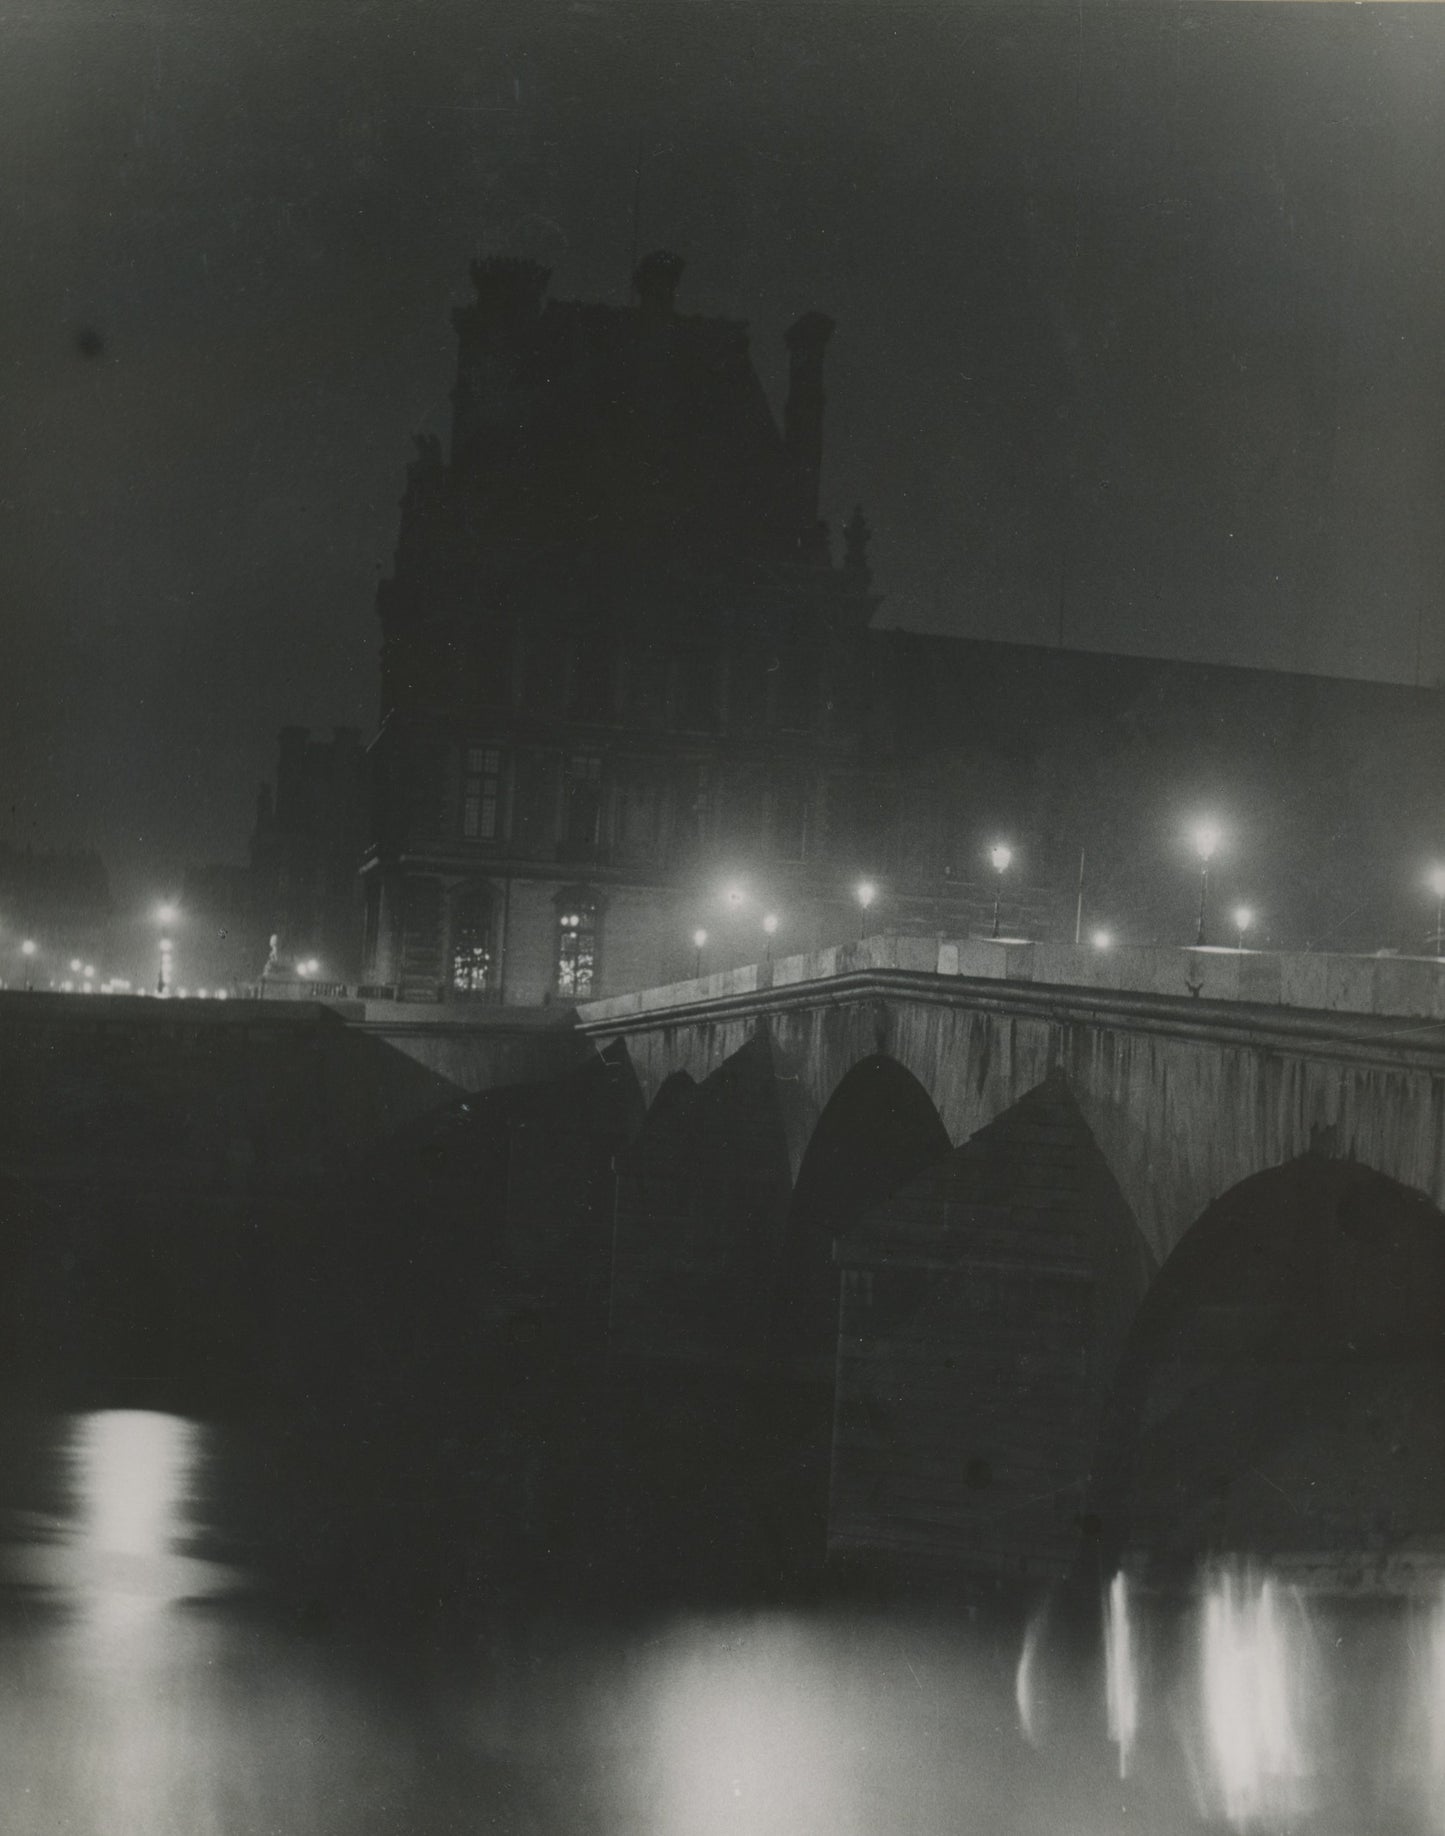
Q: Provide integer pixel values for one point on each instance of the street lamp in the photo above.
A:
(1436, 882)
(1243, 919)
(1000, 854)
(699, 941)
(866, 893)
(1103, 940)
(1206, 840)
(735, 897)
(27, 950)
(770, 925)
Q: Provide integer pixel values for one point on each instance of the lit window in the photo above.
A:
(482, 793)
(471, 961)
(576, 947)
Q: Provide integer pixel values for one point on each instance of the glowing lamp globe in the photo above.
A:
(1206, 840)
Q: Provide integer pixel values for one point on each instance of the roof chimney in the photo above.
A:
(655, 282)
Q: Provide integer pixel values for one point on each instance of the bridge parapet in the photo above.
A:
(1315, 981)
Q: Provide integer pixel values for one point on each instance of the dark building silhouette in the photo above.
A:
(618, 657)
(625, 667)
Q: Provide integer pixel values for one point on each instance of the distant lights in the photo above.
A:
(699, 939)
(75, 965)
(866, 893)
(735, 897)
(770, 923)
(1103, 940)
(28, 947)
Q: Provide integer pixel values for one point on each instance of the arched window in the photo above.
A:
(472, 956)
(576, 944)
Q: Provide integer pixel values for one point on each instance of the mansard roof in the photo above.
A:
(636, 425)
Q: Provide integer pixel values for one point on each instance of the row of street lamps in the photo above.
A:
(1206, 839)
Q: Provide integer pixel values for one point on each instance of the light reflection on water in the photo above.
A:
(1262, 1700)
(149, 1687)
(1121, 1672)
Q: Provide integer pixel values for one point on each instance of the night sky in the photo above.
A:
(1141, 330)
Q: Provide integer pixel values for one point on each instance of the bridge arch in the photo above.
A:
(877, 1130)
(1281, 1392)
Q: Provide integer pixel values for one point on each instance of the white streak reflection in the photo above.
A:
(1431, 1690)
(1257, 1699)
(1026, 1680)
(1121, 1672)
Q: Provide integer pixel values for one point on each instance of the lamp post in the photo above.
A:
(166, 915)
(1206, 840)
(1436, 883)
(699, 940)
(866, 893)
(27, 950)
(1000, 854)
(770, 925)
(1243, 919)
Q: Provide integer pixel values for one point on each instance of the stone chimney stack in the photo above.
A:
(807, 341)
(655, 284)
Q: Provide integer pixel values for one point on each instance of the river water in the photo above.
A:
(172, 1664)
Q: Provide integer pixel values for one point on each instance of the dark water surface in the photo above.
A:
(169, 1663)
(232, 1628)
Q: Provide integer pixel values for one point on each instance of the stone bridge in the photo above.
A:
(208, 1187)
(1140, 1245)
